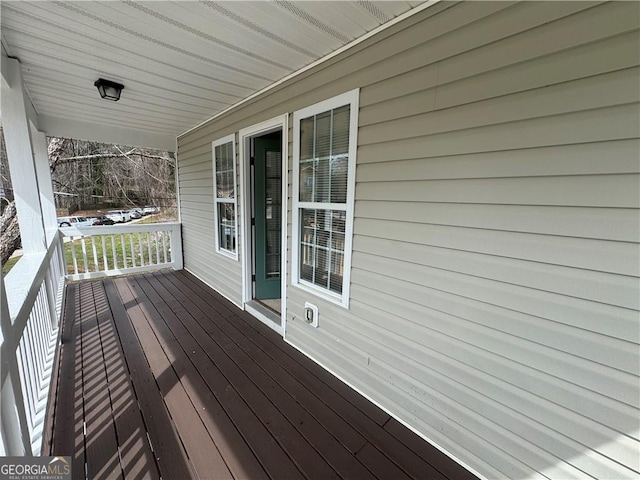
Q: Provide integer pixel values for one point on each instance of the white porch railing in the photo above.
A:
(99, 251)
(31, 307)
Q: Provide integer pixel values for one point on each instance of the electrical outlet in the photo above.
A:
(311, 314)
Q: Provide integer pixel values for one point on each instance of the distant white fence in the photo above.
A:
(108, 250)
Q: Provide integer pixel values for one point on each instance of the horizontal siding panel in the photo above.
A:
(539, 447)
(616, 353)
(195, 149)
(425, 328)
(442, 41)
(197, 206)
(621, 257)
(198, 174)
(591, 375)
(579, 159)
(416, 114)
(198, 195)
(594, 223)
(572, 335)
(620, 191)
(617, 53)
(411, 374)
(600, 287)
(580, 127)
(196, 163)
(579, 412)
(195, 216)
(554, 128)
(581, 28)
(197, 184)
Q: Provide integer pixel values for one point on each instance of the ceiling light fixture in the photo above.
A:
(108, 89)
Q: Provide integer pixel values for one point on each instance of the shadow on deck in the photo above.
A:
(160, 376)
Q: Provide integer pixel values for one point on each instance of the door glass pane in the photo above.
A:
(273, 212)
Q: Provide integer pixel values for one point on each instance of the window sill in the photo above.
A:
(334, 298)
(228, 254)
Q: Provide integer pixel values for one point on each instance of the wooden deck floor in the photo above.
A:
(161, 377)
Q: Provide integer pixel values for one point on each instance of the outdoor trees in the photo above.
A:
(88, 175)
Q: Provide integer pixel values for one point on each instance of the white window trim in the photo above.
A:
(348, 98)
(221, 141)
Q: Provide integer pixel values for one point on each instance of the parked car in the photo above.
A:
(103, 220)
(75, 221)
(136, 213)
(119, 216)
(150, 209)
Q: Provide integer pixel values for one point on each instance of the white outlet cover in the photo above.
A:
(312, 309)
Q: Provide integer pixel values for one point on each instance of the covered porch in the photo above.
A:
(159, 376)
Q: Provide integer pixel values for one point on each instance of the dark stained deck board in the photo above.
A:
(102, 457)
(164, 360)
(278, 401)
(241, 460)
(64, 435)
(170, 455)
(136, 456)
(321, 382)
(306, 398)
(226, 309)
(438, 459)
(218, 394)
(230, 377)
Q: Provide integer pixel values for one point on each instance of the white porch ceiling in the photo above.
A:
(180, 62)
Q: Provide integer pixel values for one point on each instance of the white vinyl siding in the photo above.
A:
(224, 190)
(324, 148)
(494, 282)
(197, 204)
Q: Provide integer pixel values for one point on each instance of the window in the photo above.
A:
(224, 188)
(324, 160)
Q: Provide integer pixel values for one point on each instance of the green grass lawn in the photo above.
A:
(9, 265)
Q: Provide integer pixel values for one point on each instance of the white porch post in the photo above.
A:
(21, 160)
(43, 173)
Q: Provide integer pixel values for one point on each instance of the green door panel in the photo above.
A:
(268, 210)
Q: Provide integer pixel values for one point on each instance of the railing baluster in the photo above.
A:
(27, 371)
(84, 254)
(96, 266)
(72, 245)
(155, 235)
(164, 245)
(149, 261)
(124, 250)
(141, 250)
(133, 250)
(113, 249)
(39, 334)
(104, 252)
